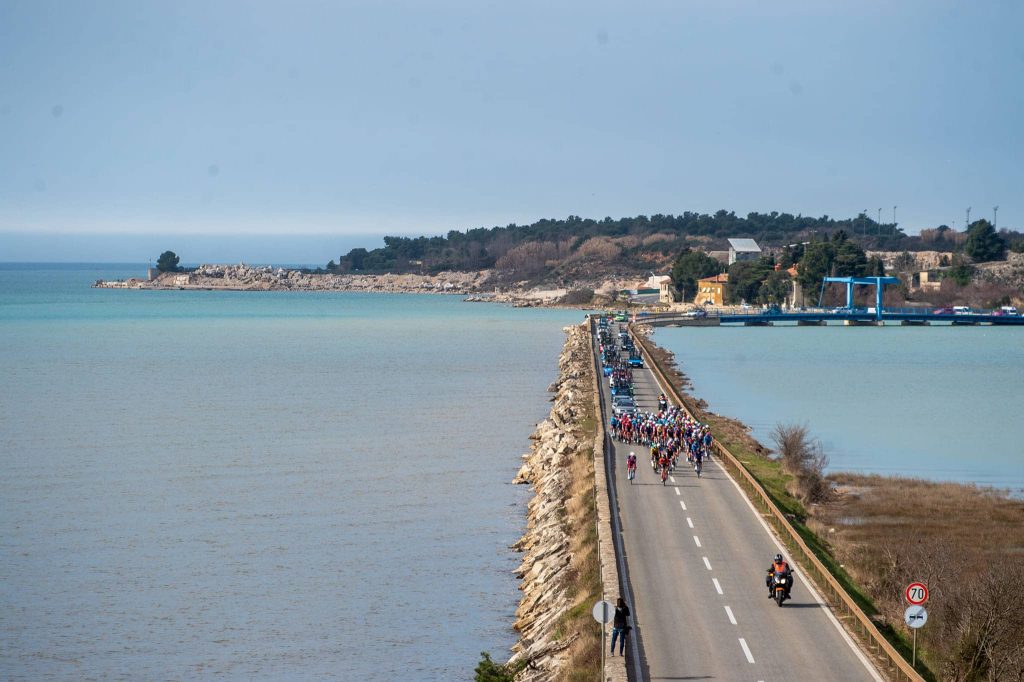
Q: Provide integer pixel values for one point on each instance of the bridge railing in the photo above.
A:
(837, 596)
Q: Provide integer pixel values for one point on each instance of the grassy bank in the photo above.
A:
(584, 655)
(877, 534)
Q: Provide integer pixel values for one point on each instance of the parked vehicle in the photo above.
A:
(962, 310)
(635, 360)
(942, 311)
(1006, 311)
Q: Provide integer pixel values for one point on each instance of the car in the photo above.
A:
(620, 317)
(636, 361)
(1006, 311)
(943, 311)
(624, 406)
(962, 310)
(696, 314)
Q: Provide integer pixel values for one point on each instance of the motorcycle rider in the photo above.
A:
(779, 565)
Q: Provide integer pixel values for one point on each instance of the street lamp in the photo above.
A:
(967, 225)
(878, 229)
(995, 217)
(864, 222)
(894, 219)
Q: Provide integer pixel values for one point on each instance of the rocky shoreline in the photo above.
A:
(547, 543)
(478, 286)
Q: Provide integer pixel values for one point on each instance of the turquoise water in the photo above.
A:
(940, 403)
(260, 485)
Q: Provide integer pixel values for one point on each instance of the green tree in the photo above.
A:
(775, 288)
(983, 242)
(688, 268)
(961, 271)
(489, 671)
(745, 278)
(815, 264)
(168, 262)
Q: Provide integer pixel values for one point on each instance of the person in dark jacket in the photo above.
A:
(620, 625)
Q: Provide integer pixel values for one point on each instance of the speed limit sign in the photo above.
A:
(916, 593)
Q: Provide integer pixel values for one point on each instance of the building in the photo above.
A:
(663, 285)
(743, 249)
(711, 290)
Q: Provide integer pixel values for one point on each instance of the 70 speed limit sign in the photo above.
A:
(916, 593)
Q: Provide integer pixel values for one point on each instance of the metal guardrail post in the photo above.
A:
(882, 647)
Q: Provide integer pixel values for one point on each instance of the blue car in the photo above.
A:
(636, 361)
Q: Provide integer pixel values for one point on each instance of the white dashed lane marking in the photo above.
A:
(732, 618)
(718, 587)
(746, 650)
(689, 522)
(677, 491)
(707, 563)
(697, 540)
(682, 504)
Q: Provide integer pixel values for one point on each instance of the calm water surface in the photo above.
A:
(942, 403)
(259, 485)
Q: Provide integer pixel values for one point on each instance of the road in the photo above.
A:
(696, 552)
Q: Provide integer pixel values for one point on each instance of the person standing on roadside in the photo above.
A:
(620, 625)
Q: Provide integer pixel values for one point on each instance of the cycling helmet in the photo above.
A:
(632, 454)
(778, 558)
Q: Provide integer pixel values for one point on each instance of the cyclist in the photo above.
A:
(698, 461)
(631, 467)
(663, 464)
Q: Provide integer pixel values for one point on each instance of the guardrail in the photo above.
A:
(834, 591)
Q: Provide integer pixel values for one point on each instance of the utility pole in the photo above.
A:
(995, 217)
(864, 222)
(894, 219)
(967, 225)
(878, 229)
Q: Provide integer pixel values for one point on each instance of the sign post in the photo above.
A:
(916, 615)
(603, 612)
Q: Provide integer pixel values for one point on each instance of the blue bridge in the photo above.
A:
(849, 314)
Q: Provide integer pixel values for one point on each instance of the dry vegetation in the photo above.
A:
(584, 577)
(966, 543)
(879, 533)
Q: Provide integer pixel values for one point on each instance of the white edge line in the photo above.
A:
(697, 540)
(746, 650)
(707, 563)
(810, 587)
(718, 587)
(732, 618)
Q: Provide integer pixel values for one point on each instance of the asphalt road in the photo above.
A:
(696, 553)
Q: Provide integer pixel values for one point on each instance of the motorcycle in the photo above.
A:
(779, 582)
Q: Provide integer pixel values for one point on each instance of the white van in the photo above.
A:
(1009, 310)
(961, 310)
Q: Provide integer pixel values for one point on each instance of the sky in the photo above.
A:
(292, 132)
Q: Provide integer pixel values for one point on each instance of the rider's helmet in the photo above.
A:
(778, 558)
(632, 454)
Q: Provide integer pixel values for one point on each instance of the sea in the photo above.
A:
(940, 403)
(260, 485)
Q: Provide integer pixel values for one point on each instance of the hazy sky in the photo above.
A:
(204, 122)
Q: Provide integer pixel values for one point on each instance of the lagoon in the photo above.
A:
(941, 403)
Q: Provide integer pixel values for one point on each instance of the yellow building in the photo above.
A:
(711, 290)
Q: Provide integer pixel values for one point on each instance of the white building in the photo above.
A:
(743, 249)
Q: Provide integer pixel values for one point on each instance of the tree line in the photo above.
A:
(541, 248)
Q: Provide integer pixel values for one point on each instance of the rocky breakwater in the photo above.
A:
(560, 445)
(266, 278)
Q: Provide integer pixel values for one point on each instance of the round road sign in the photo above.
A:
(916, 593)
(915, 616)
(603, 611)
